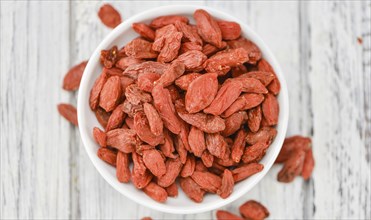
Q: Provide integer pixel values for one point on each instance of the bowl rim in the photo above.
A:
(84, 92)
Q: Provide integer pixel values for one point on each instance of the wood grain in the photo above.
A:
(335, 78)
(45, 172)
(35, 163)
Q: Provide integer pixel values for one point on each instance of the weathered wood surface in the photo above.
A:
(45, 172)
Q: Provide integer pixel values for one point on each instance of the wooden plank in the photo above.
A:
(366, 104)
(89, 189)
(34, 139)
(282, 35)
(342, 175)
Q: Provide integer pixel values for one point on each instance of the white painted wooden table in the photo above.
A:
(45, 172)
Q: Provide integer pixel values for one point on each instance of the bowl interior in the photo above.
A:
(87, 120)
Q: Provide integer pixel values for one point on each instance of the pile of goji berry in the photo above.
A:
(193, 104)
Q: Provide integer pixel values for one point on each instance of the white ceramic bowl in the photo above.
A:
(87, 121)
